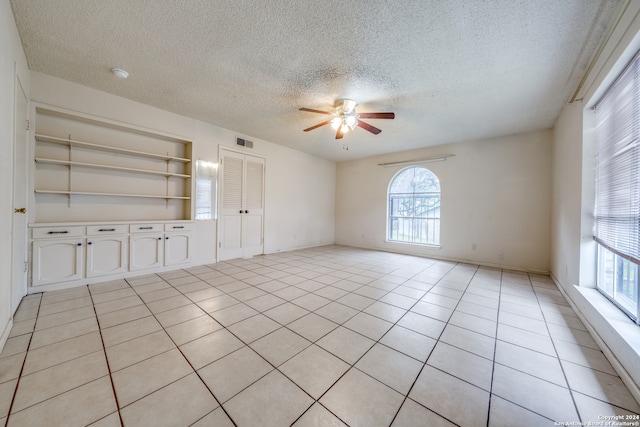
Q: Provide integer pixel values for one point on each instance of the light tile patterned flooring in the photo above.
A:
(318, 337)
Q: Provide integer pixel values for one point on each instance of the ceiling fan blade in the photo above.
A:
(377, 115)
(339, 133)
(317, 126)
(311, 110)
(367, 126)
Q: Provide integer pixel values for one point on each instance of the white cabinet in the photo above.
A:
(57, 255)
(146, 246)
(106, 250)
(177, 244)
(73, 255)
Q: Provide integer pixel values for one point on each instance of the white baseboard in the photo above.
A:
(5, 334)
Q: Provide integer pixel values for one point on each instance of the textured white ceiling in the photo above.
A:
(451, 70)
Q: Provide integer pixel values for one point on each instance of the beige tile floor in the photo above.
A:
(326, 336)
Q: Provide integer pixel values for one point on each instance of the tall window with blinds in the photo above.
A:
(206, 190)
(617, 205)
(414, 207)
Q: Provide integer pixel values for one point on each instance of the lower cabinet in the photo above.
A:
(157, 245)
(57, 260)
(146, 251)
(177, 244)
(106, 250)
(73, 254)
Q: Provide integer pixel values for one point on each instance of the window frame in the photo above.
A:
(616, 223)
(433, 238)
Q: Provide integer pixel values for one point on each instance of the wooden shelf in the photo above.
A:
(89, 193)
(100, 166)
(76, 143)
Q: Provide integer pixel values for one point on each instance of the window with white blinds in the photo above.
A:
(617, 201)
(617, 207)
(206, 190)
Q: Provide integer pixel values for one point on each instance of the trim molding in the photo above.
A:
(5, 334)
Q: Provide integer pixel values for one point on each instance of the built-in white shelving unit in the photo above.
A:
(109, 200)
(81, 158)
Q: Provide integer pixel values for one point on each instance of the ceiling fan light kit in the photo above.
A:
(345, 119)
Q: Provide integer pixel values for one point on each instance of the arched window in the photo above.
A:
(414, 207)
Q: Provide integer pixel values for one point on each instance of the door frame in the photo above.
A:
(19, 229)
(221, 150)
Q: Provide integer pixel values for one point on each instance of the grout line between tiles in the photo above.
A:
(495, 347)
(434, 346)
(104, 349)
(195, 371)
(26, 353)
(564, 374)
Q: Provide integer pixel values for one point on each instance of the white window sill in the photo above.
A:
(415, 245)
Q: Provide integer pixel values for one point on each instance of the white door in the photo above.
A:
(19, 223)
(241, 206)
(252, 218)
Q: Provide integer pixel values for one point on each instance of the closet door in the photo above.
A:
(252, 219)
(241, 206)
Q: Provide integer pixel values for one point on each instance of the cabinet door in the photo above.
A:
(177, 248)
(106, 255)
(55, 261)
(146, 251)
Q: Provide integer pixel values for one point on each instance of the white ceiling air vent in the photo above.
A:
(244, 142)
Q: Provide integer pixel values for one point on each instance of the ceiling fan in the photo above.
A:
(345, 118)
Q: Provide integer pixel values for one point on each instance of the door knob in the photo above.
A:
(21, 210)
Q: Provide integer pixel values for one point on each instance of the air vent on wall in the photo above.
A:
(244, 142)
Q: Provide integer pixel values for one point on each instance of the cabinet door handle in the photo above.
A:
(159, 238)
(79, 244)
(89, 243)
(145, 228)
(246, 211)
(240, 210)
(107, 229)
(167, 238)
(178, 226)
(57, 232)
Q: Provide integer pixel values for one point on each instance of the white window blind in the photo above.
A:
(617, 206)
(206, 190)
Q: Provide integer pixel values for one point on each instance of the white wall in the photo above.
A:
(299, 188)
(300, 201)
(567, 194)
(573, 252)
(12, 63)
(495, 194)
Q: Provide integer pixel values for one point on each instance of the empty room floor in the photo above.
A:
(316, 337)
